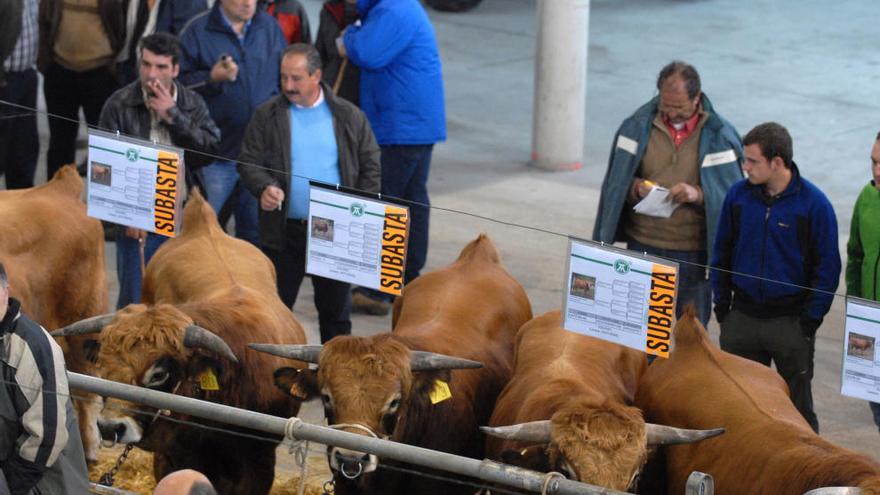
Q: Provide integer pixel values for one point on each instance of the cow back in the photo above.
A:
(768, 446)
(53, 251)
(204, 262)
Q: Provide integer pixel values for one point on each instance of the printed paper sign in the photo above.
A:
(619, 296)
(134, 183)
(861, 362)
(357, 240)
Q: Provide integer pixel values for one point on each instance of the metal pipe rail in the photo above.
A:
(486, 470)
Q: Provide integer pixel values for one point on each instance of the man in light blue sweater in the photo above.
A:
(305, 134)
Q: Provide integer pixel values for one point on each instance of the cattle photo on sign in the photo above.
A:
(768, 447)
(431, 382)
(205, 295)
(568, 408)
(860, 346)
(55, 257)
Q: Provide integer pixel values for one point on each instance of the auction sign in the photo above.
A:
(356, 239)
(620, 296)
(861, 361)
(135, 183)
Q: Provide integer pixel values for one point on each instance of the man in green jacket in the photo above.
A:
(305, 134)
(863, 248)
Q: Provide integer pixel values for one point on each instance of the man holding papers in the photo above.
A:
(677, 142)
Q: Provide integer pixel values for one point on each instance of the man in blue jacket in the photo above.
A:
(402, 96)
(231, 56)
(776, 264)
(677, 141)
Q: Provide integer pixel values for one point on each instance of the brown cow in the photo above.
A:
(55, 257)
(768, 447)
(206, 295)
(470, 309)
(572, 396)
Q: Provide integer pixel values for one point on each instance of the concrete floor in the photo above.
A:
(806, 64)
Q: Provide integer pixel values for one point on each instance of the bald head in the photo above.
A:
(185, 482)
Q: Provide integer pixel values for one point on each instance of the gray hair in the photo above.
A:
(686, 71)
(313, 58)
(4, 279)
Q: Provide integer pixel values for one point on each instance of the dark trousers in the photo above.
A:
(781, 341)
(66, 91)
(332, 298)
(19, 144)
(693, 286)
(405, 171)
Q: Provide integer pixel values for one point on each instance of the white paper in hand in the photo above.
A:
(656, 204)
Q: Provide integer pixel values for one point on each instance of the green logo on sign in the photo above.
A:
(621, 267)
(357, 209)
(131, 154)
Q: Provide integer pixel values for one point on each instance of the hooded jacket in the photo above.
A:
(401, 75)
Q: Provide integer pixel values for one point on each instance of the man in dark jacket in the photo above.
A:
(230, 56)
(776, 263)
(159, 109)
(333, 144)
(40, 447)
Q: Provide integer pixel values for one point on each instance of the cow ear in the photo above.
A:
(90, 349)
(425, 381)
(302, 384)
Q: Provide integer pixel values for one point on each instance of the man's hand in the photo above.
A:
(135, 233)
(224, 70)
(271, 198)
(642, 187)
(685, 193)
(160, 101)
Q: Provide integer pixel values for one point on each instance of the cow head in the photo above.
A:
(153, 347)
(367, 385)
(604, 446)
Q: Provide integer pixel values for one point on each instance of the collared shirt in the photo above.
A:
(24, 55)
(159, 132)
(244, 30)
(316, 103)
(679, 135)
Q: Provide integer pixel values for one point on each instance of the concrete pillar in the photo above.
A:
(560, 84)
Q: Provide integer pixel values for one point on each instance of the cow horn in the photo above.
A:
(835, 490)
(429, 361)
(90, 325)
(532, 432)
(196, 336)
(306, 353)
(670, 435)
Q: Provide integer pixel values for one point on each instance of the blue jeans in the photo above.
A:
(220, 179)
(128, 264)
(405, 175)
(692, 283)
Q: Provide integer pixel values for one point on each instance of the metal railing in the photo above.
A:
(294, 429)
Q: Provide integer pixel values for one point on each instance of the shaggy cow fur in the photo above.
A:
(585, 386)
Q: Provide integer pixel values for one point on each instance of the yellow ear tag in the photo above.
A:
(440, 392)
(208, 380)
